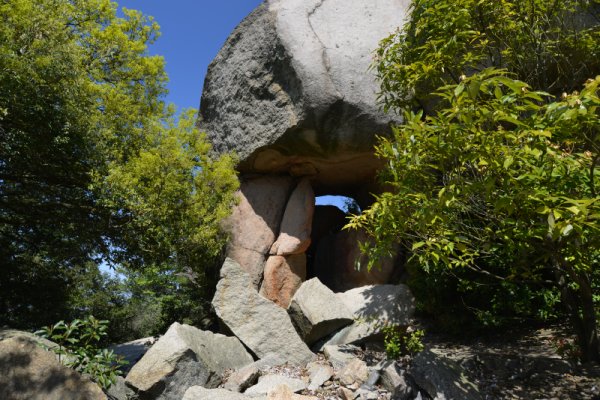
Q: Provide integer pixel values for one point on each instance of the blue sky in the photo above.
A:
(193, 31)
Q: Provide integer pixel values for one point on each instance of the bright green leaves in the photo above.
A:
(539, 41)
(174, 193)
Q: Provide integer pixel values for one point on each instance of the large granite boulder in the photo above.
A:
(185, 356)
(260, 324)
(291, 90)
(28, 372)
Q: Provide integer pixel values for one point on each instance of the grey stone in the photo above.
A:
(341, 355)
(28, 372)
(201, 393)
(374, 307)
(316, 311)
(260, 324)
(394, 381)
(267, 383)
(119, 390)
(242, 379)
(319, 374)
(291, 90)
(185, 356)
(355, 372)
(441, 377)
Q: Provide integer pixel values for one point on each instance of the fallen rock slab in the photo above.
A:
(374, 307)
(316, 311)
(28, 372)
(185, 356)
(441, 377)
(260, 324)
(268, 383)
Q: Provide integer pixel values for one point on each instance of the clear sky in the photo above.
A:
(193, 31)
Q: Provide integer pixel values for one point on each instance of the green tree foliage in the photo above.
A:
(551, 45)
(494, 185)
(93, 165)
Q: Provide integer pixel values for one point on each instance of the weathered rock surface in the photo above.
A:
(242, 379)
(296, 225)
(316, 311)
(201, 393)
(282, 278)
(374, 307)
(355, 372)
(442, 378)
(185, 356)
(28, 372)
(132, 351)
(340, 356)
(268, 383)
(305, 102)
(283, 392)
(319, 374)
(260, 324)
(255, 221)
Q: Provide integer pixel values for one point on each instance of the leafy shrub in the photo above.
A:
(78, 348)
(401, 340)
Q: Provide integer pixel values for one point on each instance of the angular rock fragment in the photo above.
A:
(283, 392)
(260, 324)
(319, 374)
(268, 383)
(242, 379)
(374, 307)
(185, 356)
(282, 278)
(355, 372)
(201, 393)
(316, 311)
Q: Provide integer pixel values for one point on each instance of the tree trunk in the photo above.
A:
(579, 306)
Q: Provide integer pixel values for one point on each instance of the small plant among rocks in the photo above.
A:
(78, 348)
(402, 340)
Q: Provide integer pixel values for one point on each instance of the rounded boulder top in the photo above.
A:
(291, 90)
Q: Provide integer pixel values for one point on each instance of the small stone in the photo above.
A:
(319, 374)
(242, 379)
(345, 394)
(267, 383)
(355, 372)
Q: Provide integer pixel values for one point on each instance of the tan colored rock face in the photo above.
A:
(255, 220)
(294, 236)
(282, 278)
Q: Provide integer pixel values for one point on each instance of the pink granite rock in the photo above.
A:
(294, 236)
(282, 278)
(254, 222)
